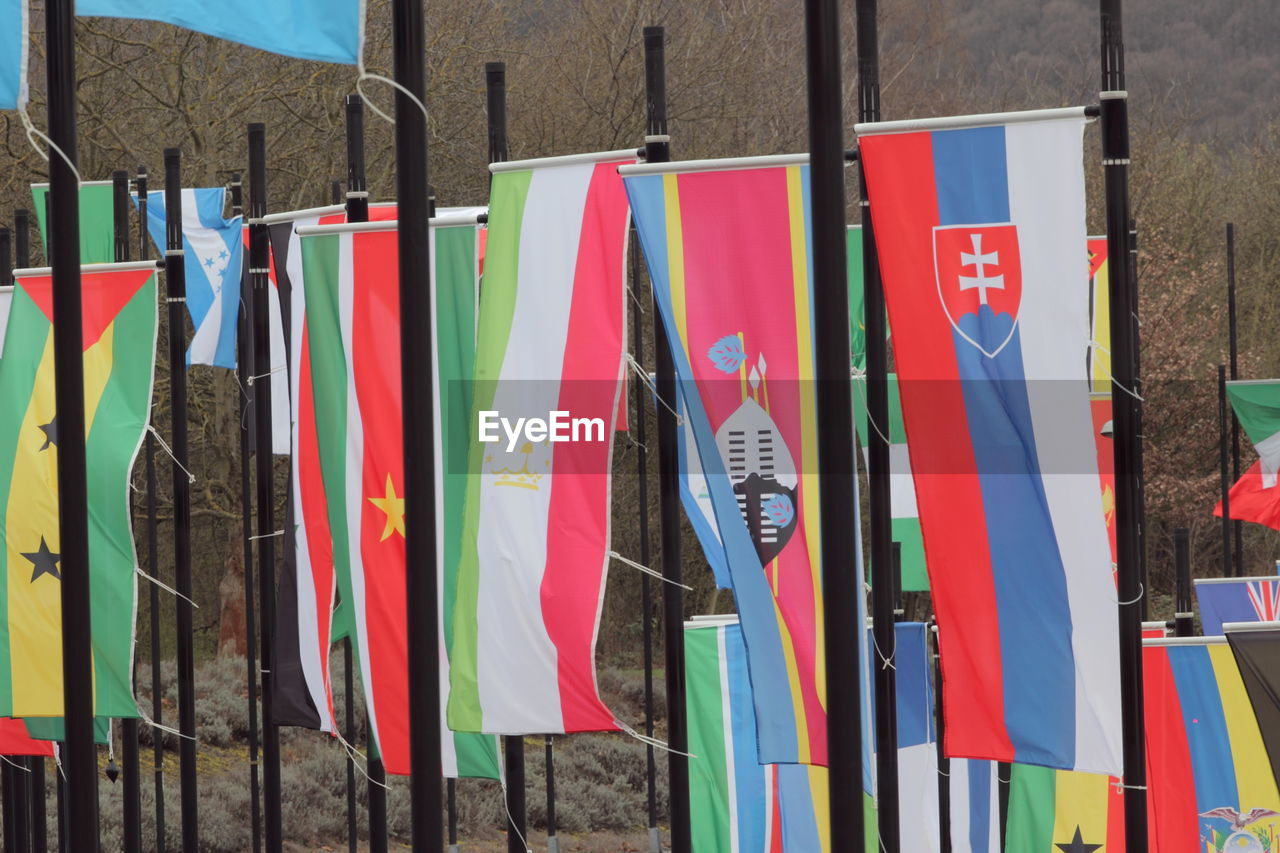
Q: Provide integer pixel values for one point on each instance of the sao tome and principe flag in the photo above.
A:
(727, 247)
(1255, 497)
(535, 542)
(119, 328)
(351, 353)
(979, 228)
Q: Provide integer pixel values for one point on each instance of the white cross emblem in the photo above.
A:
(979, 262)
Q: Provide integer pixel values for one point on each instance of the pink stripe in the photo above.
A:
(578, 516)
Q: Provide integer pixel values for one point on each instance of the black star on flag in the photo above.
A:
(44, 561)
(50, 431)
(1077, 845)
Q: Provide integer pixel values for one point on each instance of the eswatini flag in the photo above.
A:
(356, 470)
(535, 540)
(727, 245)
(119, 330)
(980, 232)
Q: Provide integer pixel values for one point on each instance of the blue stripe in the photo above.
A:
(972, 181)
(914, 693)
(775, 711)
(980, 806)
(702, 526)
(747, 772)
(11, 66)
(799, 823)
(1212, 763)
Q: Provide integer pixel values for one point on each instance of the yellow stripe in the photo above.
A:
(803, 748)
(35, 606)
(808, 422)
(821, 804)
(675, 255)
(1100, 375)
(1254, 780)
(1080, 801)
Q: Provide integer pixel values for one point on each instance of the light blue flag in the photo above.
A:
(214, 251)
(13, 54)
(323, 30)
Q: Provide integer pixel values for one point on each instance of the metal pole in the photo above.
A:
(1126, 418)
(1237, 527)
(245, 369)
(80, 762)
(495, 78)
(260, 285)
(1183, 617)
(417, 356)
(517, 822)
(658, 150)
(153, 559)
(349, 732)
(944, 763)
(175, 279)
(553, 843)
(1139, 459)
(899, 614)
(843, 708)
(357, 192)
(1224, 451)
(646, 590)
(451, 798)
(132, 794)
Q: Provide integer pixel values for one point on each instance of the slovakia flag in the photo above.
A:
(981, 232)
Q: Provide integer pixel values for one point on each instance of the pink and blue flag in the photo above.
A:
(979, 225)
(1237, 600)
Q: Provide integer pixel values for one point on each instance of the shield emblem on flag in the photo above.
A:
(979, 267)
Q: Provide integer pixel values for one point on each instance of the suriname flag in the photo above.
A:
(119, 328)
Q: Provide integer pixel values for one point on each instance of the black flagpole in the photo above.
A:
(944, 763)
(80, 762)
(646, 592)
(553, 843)
(1237, 526)
(657, 147)
(1139, 458)
(153, 559)
(417, 356)
(1124, 307)
(844, 713)
(8, 784)
(260, 284)
(1224, 452)
(495, 75)
(244, 369)
(1183, 618)
(176, 283)
(132, 796)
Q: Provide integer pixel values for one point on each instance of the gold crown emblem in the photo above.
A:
(522, 477)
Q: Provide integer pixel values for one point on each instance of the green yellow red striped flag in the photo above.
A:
(119, 328)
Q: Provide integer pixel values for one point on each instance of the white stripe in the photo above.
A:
(902, 488)
(516, 662)
(205, 243)
(726, 721)
(977, 120)
(1047, 204)
(960, 807)
(6, 300)
(918, 822)
(1269, 454)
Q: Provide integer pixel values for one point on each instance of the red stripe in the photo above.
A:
(376, 365)
(578, 515)
(14, 740)
(102, 296)
(1251, 502)
(1171, 799)
(952, 519)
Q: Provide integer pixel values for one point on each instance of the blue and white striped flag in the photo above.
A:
(13, 54)
(323, 30)
(214, 256)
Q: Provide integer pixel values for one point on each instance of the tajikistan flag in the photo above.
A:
(1255, 496)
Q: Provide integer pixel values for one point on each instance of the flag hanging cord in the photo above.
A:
(862, 391)
(885, 662)
(33, 132)
(648, 571)
(649, 383)
(511, 821)
(1093, 344)
(279, 368)
(645, 739)
(1142, 590)
(266, 536)
(1121, 786)
(355, 756)
(164, 445)
(150, 722)
(165, 587)
(364, 74)
(6, 760)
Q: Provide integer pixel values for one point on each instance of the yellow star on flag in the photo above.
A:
(393, 506)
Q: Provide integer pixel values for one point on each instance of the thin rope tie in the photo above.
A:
(651, 385)
(648, 571)
(33, 132)
(165, 586)
(164, 445)
(653, 742)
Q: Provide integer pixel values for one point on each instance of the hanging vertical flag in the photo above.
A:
(975, 806)
(97, 220)
(1211, 789)
(726, 244)
(214, 252)
(536, 527)
(277, 370)
(1256, 648)
(13, 54)
(918, 823)
(1099, 361)
(1055, 810)
(14, 740)
(119, 328)
(979, 225)
(322, 30)
(1225, 600)
(1255, 497)
(902, 490)
(351, 452)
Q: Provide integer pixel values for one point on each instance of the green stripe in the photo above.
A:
(24, 344)
(97, 223)
(455, 265)
(110, 447)
(709, 771)
(1032, 803)
(1257, 405)
(497, 304)
(907, 532)
(857, 325)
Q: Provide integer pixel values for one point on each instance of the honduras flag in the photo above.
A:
(323, 30)
(214, 257)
